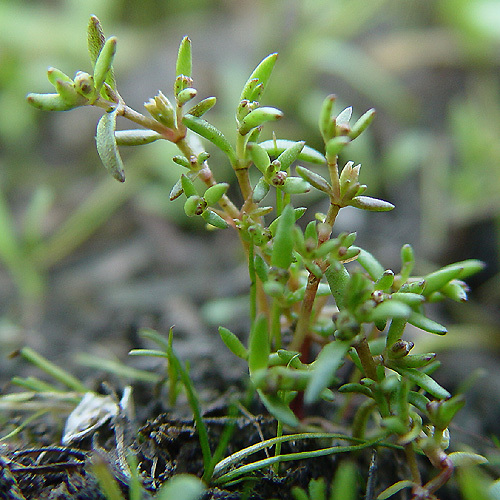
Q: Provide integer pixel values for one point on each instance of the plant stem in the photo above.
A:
(277, 449)
(253, 282)
(412, 463)
(136, 117)
(302, 328)
(366, 358)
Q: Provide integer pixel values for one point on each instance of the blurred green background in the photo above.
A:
(429, 67)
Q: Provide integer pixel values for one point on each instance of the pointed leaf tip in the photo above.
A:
(95, 38)
(184, 58)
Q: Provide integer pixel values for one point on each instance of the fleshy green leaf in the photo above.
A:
(362, 124)
(278, 409)
(335, 145)
(202, 107)
(283, 241)
(326, 122)
(370, 264)
(136, 137)
(344, 485)
(436, 280)
(260, 75)
(275, 148)
(212, 134)
(49, 102)
(259, 156)
(214, 219)
(106, 145)
(95, 38)
(389, 309)
(290, 154)
(260, 190)
(296, 185)
(466, 459)
(184, 60)
(338, 279)
(257, 117)
(259, 347)
(372, 204)
(53, 75)
(214, 193)
(424, 381)
(314, 179)
(104, 64)
(424, 323)
(233, 343)
(325, 367)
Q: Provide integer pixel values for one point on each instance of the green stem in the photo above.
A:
(277, 450)
(333, 170)
(253, 282)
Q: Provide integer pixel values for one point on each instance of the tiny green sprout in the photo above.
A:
(326, 122)
(161, 109)
(84, 84)
(182, 82)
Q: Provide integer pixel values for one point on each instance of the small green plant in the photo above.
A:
(296, 271)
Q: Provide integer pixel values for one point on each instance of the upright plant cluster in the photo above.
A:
(296, 271)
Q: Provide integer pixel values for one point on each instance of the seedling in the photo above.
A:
(294, 272)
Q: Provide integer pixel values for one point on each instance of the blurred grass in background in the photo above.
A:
(430, 68)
